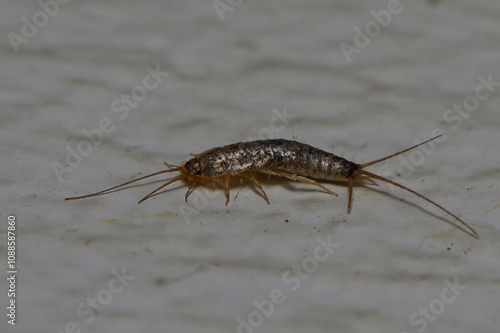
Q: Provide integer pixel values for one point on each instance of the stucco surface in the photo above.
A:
(267, 69)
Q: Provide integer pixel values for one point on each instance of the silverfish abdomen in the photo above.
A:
(279, 155)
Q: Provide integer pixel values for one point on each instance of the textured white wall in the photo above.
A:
(225, 79)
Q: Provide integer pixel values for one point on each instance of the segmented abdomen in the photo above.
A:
(278, 155)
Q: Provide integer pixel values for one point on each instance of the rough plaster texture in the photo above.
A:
(394, 251)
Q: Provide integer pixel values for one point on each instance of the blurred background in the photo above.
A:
(97, 93)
